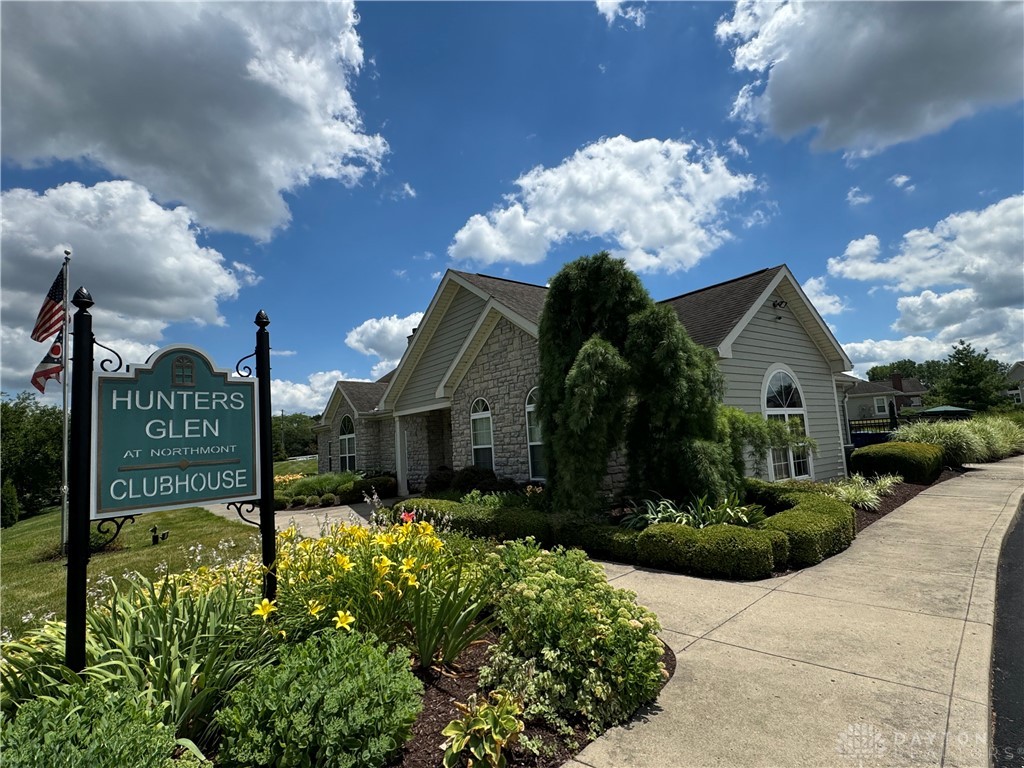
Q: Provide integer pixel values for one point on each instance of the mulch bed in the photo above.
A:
(903, 493)
(441, 691)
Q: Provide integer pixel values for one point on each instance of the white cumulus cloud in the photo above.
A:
(308, 396)
(902, 181)
(865, 76)
(660, 202)
(385, 338)
(967, 270)
(615, 9)
(856, 197)
(826, 303)
(140, 260)
(223, 107)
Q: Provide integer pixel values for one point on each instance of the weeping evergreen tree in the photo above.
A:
(614, 366)
(584, 380)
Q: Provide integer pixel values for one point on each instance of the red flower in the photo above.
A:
(408, 517)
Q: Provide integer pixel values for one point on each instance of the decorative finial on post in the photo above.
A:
(83, 299)
(261, 319)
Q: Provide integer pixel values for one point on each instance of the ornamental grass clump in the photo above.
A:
(573, 646)
(960, 444)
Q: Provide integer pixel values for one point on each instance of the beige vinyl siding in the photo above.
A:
(441, 349)
(766, 341)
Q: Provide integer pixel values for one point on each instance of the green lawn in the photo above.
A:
(303, 467)
(33, 580)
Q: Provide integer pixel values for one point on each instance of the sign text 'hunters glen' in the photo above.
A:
(175, 432)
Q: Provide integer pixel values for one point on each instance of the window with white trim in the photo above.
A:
(783, 402)
(481, 433)
(347, 451)
(534, 442)
(881, 407)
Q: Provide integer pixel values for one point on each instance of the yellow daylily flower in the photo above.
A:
(343, 562)
(383, 564)
(408, 563)
(264, 609)
(343, 620)
(315, 608)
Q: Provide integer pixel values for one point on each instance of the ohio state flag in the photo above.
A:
(51, 366)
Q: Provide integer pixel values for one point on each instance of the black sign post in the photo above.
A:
(79, 481)
(267, 530)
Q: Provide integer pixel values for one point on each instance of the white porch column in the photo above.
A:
(401, 458)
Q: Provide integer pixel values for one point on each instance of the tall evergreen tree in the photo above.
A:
(972, 379)
(614, 365)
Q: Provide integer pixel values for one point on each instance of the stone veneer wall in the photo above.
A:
(375, 441)
(504, 372)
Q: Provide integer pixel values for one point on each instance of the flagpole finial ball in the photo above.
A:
(83, 299)
(261, 319)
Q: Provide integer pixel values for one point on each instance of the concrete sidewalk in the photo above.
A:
(877, 657)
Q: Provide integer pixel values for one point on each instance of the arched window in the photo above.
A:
(347, 452)
(784, 402)
(183, 372)
(534, 443)
(482, 435)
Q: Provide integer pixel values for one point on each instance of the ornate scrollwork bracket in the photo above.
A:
(110, 365)
(103, 528)
(244, 506)
(244, 371)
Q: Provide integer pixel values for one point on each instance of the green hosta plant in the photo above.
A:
(485, 730)
(480, 499)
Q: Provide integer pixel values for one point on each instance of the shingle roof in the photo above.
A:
(913, 386)
(874, 388)
(708, 314)
(365, 395)
(525, 299)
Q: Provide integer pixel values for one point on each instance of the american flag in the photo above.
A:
(51, 366)
(51, 314)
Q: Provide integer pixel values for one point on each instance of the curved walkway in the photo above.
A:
(877, 657)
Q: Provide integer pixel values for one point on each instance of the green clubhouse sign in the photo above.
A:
(175, 432)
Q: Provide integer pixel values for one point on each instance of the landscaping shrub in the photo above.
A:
(328, 500)
(336, 699)
(518, 523)
(281, 502)
(960, 445)
(312, 501)
(667, 546)
(494, 521)
(10, 509)
(916, 462)
(607, 542)
(385, 486)
(90, 727)
(297, 501)
(439, 480)
(817, 527)
(183, 646)
(337, 483)
(780, 547)
(573, 645)
(725, 551)
(774, 497)
(731, 552)
(469, 478)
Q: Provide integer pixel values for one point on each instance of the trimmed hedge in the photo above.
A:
(500, 523)
(724, 551)
(608, 542)
(780, 547)
(774, 497)
(666, 545)
(817, 527)
(916, 462)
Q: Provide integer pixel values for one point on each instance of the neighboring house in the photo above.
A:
(464, 392)
(1015, 378)
(871, 399)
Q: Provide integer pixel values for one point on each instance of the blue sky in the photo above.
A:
(327, 163)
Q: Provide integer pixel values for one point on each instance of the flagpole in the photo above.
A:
(64, 446)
